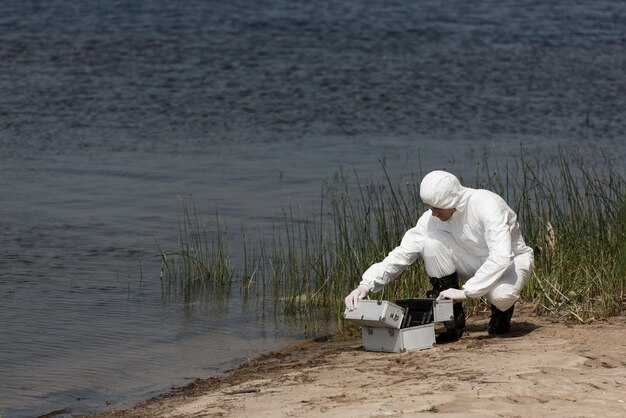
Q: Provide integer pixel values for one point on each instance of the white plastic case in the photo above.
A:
(393, 340)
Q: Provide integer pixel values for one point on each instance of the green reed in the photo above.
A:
(573, 216)
(202, 259)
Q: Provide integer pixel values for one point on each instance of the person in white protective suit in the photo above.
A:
(466, 233)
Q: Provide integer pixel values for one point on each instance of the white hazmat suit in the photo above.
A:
(481, 242)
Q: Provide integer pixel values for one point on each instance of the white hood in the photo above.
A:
(442, 190)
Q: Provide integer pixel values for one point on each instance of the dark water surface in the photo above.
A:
(111, 112)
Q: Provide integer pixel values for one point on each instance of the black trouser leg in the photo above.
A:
(454, 328)
(500, 321)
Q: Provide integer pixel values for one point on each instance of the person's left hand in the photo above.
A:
(456, 295)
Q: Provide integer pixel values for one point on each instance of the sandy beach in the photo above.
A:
(545, 367)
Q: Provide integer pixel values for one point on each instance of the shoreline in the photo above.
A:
(545, 367)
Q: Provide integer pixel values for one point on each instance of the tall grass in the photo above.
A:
(201, 261)
(573, 215)
(579, 228)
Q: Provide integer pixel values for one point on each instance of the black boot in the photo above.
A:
(454, 328)
(500, 321)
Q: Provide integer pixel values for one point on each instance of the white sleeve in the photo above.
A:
(498, 238)
(379, 274)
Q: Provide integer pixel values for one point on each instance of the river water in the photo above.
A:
(112, 113)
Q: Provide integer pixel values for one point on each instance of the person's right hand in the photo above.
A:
(352, 299)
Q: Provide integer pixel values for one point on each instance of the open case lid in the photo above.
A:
(376, 313)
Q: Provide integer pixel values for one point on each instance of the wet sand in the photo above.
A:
(545, 367)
